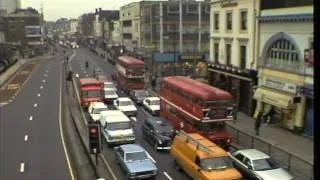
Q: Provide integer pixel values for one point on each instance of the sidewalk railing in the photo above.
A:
(298, 167)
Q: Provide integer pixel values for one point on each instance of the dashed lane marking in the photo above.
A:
(151, 158)
(38, 94)
(35, 105)
(41, 87)
(25, 137)
(167, 175)
(45, 75)
(43, 80)
(22, 167)
(30, 118)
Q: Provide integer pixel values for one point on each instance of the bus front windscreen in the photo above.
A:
(92, 93)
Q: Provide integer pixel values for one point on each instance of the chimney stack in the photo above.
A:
(99, 9)
(96, 10)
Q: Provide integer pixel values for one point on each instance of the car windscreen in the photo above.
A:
(109, 86)
(117, 126)
(92, 93)
(112, 92)
(97, 111)
(155, 102)
(164, 129)
(125, 103)
(264, 164)
(141, 93)
(218, 163)
(136, 156)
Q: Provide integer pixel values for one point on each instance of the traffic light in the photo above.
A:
(94, 138)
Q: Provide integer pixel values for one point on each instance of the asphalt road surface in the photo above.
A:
(163, 159)
(31, 143)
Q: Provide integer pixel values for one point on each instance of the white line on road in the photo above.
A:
(167, 175)
(109, 168)
(151, 158)
(22, 167)
(43, 80)
(61, 130)
(35, 105)
(41, 87)
(30, 118)
(25, 137)
(38, 94)
(45, 75)
(72, 56)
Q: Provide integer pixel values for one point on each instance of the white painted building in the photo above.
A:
(116, 33)
(97, 26)
(73, 25)
(233, 56)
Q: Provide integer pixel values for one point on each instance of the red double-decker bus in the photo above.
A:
(90, 91)
(131, 73)
(196, 107)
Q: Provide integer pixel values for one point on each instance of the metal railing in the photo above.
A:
(299, 168)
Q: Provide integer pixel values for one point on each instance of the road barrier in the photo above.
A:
(299, 168)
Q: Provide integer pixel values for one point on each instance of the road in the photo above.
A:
(163, 159)
(31, 143)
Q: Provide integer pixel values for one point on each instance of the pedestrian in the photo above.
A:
(257, 124)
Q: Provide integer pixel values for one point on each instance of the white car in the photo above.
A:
(258, 165)
(152, 104)
(125, 105)
(110, 91)
(95, 109)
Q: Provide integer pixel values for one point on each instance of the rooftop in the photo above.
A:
(253, 154)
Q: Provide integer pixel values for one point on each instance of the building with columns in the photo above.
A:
(233, 57)
(286, 63)
(171, 36)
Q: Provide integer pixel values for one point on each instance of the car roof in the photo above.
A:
(124, 99)
(128, 148)
(114, 116)
(253, 154)
(99, 105)
(153, 98)
(158, 120)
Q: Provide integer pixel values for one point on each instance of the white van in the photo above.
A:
(116, 127)
(110, 91)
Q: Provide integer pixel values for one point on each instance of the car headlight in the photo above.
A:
(228, 140)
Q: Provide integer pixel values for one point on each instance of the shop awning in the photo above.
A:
(275, 98)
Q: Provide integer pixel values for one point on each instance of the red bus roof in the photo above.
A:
(198, 89)
(89, 81)
(130, 61)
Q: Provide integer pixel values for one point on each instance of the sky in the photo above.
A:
(55, 9)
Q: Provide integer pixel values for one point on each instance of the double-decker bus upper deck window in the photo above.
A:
(211, 126)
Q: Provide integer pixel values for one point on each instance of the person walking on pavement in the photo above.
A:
(257, 123)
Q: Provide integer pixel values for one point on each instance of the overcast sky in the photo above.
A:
(55, 9)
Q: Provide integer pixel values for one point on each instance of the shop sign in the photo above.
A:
(280, 85)
(191, 57)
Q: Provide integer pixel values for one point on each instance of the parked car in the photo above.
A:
(116, 127)
(95, 109)
(125, 105)
(202, 159)
(152, 104)
(258, 165)
(136, 161)
(139, 95)
(158, 132)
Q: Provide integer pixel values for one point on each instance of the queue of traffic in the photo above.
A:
(187, 120)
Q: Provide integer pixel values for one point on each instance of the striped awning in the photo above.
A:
(286, 18)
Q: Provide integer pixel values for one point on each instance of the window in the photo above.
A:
(216, 21)
(244, 20)
(243, 56)
(228, 54)
(216, 52)
(283, 54)
(240, 157)
(192, 9)
(229, 20)
(173, 9)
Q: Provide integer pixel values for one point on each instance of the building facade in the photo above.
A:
(116, 33)
(73, 25)
(9, 6)
(286, 63)
(171, 36)
(233, 57)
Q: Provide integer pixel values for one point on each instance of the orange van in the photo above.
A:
(201, 159)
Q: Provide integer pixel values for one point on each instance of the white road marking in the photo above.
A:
(38, 94)
(22, 167)
(35, 105)
(72, 56)
(41, 87)
(30, 118)
(109, 168)
(133, 118)
(61, 131)
(151, 158)
(43, 80)
(167, 175)
(45, 75)
(25, 137)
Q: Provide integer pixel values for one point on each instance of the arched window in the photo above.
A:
(283, 54)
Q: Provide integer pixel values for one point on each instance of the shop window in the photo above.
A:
(228, 54)
(243, 56)
(192, 8)
(216, 52)
(173, 9)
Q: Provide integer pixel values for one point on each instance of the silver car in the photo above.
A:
(258, 166)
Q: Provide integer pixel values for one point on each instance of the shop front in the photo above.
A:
(279, 91)
(240, 83)
(309, 115)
